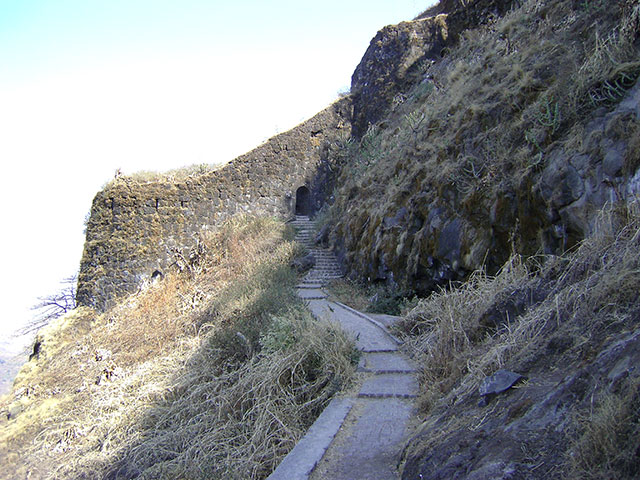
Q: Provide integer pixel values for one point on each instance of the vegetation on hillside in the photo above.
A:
(215, 370)
(537, 315)
(471, 139)
(212, 372)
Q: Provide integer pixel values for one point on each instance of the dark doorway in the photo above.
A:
(303, 201)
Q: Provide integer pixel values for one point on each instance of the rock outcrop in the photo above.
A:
(500, 145)
(399, 55)
(394, 61)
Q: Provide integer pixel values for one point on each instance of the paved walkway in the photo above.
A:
(358, 436)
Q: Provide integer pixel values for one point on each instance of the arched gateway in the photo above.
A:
(303, 201)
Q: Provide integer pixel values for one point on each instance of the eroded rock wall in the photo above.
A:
(507, 148)
(391, 64)
(399, 54)
(135, 229)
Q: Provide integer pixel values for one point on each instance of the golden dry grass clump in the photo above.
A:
(212, 372)
(585, 299)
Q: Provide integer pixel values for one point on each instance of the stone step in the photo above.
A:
(385, 362)
(312, 294)
(357, 437)
(304, 457)
(369, 443)
(390, 385)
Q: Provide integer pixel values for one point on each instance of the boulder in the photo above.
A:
(303, 264)
(499, 382)
(392, 63)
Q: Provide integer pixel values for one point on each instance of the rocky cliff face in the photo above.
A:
(140, 229)
(513, 139)
(391, 65)
(399, 54)
(520, 136)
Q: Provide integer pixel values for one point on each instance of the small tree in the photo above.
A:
(53, 306)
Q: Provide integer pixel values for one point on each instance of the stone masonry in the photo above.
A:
(136, 228)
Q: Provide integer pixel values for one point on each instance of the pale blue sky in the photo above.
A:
(87, 87)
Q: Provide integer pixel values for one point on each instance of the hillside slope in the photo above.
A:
(508, 136)
(499, 179)
(212, 372)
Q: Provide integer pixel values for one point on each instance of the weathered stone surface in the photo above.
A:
(305, 263)
(560, 184)
(499, 382)
(390, 385)
(135, 228)
(430, 234)
(368, 449)
(368, 337)
(385, 362)
(323, 235)
(534, 418)
(391, 63)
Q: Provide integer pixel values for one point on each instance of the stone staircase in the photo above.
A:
(326, 267)
(361, 432)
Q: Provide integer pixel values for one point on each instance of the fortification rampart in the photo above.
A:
(135, 227)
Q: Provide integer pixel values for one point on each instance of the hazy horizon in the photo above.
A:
(89, 88)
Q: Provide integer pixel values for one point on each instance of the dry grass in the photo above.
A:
(370, 298)
(169, 177)
(461, 335)
(350, 293)
(606, 446)
(213, 372)
(443, 331)
(481, 128)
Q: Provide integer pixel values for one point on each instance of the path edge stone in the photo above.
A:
(303, 458)
(395, 339)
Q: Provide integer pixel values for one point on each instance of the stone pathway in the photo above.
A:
(358, 436)
(326, 267)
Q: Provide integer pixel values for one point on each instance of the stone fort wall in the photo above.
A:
(134, 227)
